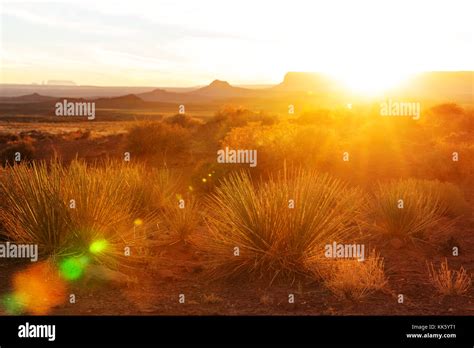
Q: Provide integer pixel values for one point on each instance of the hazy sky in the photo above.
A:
(182, 43)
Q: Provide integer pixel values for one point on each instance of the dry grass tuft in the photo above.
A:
(211, 299)
(182, 221)
(449, 282)
(266, 300)
(354, 280)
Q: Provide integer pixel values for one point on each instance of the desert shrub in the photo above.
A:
(453, 198)
(103, 205)
(183, 120)
(446, 117)
(77, 134)
(6, 138)
(437, 163)
(34, 210)
(320, 117)
(272, 238)
(182, 217)
(25, 148)
(230, 117)
(450, 197)
(353, 279)
(449, 282)
(238, 116)
(408, 208)
(158, 139)
(150, 188)
(38, 207)
(293, 144)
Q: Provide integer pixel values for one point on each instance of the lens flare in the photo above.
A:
(98, 246)
(37, 290)
(138, 222)
(13, 303)
(72, 268)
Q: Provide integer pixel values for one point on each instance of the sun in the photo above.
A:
(370, 82)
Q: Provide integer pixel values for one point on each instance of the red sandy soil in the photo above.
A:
(179, 269)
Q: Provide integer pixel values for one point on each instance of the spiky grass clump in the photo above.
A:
(102, 204)
(449, 282)
(353, 279)
(450, 197)
(254, 230)
(151, 189)
(33, 208)
(408, 208)
(64, 209)
(453, 197)
(181, 218)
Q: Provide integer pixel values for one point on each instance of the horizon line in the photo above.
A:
(74, 85)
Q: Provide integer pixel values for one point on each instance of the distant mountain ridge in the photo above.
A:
(455, 85)
(28, 98)
(217, 89)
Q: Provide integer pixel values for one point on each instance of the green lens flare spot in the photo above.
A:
(73, 268)
(12, 304)
(98, 246)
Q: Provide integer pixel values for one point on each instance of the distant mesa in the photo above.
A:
(454, 85)
(222, 89)
(60, 83)
(305, 81)
(220, 84)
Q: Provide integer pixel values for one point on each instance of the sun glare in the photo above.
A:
(368, 82)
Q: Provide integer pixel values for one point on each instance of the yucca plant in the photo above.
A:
(256, 230)
(453, 198)
(103, 205)
(33, 209)
(181, 217)
(408, 208)
(150, 188)
(74, 209)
